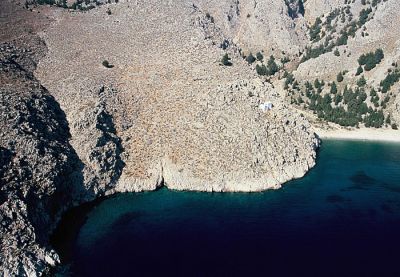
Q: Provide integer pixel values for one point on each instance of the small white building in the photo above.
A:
(267, 106)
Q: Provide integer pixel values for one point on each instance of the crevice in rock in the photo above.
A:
(295, 8)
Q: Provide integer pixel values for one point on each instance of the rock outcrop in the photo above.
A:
(396, 109)
(271, 26)
(221, 142)
(36, 161)
(317, 8)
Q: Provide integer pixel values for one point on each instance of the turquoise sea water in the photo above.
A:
(341, 219)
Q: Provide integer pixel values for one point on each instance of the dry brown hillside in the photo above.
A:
(99, 97)
(179, 113)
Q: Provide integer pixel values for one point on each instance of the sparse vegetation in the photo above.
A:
(293, 13)
(46, 2)
(340, 77)
(285, 60)
(106, 64)
(361, 82)
(261, 69)
(250, 58)
(76, 5)
(259, 56)
(370, 60)
(347, 106)
(336, 53)
(321, 29)
(226, 60)
(315, 30)
(270, 69)
(334, 89)
(392, 78)
(359, 70)
(272, 66)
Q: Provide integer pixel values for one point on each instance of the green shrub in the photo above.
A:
(374, 119)
(379, 55)
(334, 88)
(342, 40)
(285, 60)
(250, 58)
(105, 63)
(390, 80)
(370, 60)
(261, 70)
(46, 2)
(363, 18)
(339, 77)
(259, 56)
(336, 53)
(359, 70)
(361, 82)
(226, 60)
(289, 79)
(338, 98)
(272, 66)
(370, 65)
(315, 30)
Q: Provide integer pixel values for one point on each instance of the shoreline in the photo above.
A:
(362, 134)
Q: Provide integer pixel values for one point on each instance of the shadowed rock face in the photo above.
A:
(40, 173)
(36, 161)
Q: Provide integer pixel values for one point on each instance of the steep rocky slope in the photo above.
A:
(317, 8)
(167, 112)
(328, 65)
(344, 37)
(133, 95)
(181, 118)
(270, 26)
(36, 161)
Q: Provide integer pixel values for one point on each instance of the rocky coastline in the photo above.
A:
(42, 175)
(137, 97)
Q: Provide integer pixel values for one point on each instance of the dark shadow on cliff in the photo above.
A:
(5, 160)
(38, 165)
(67, 230)
(68, 175)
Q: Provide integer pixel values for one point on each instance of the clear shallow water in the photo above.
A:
(342, 219)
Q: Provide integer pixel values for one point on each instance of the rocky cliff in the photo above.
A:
(36, 161)
(133, 95)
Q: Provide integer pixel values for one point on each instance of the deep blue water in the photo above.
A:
(342, 219)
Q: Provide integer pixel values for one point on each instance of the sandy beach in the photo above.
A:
(371, 134)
